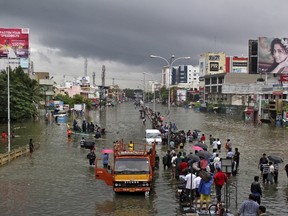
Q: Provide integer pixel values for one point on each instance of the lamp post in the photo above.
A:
(154, 94)
(144, 90)
(170, 65)
(8, 102)
(153, 81)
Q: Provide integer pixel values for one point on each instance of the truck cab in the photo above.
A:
(133, 170)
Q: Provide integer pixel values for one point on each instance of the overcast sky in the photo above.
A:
(122, 34)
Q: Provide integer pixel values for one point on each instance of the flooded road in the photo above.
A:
(57, 179)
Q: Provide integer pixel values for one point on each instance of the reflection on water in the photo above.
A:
(125, 204)
(57, 180)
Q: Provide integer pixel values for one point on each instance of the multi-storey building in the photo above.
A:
(212, 63)
(235, 64)
(186, 76)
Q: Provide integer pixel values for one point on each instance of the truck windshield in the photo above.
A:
(131, 165)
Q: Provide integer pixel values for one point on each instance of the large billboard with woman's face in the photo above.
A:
(273, 55)
(14, 42)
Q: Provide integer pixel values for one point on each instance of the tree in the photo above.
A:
(24, 95)
(77, 99)
(129, 93)
(65, 98)
(164, 95)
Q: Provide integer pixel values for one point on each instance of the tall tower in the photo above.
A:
(93, 77)
(85, 66)
(103, 75)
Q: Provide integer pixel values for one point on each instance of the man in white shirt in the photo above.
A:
(219, 144)
(214, 145)
(196, 183)
(217, 161)
(189, 178)
(174, 163)
(230, 154)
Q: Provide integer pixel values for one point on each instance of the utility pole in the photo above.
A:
(144, 89)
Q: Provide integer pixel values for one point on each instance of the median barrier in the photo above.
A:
(16, 153)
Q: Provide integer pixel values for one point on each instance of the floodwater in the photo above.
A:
(57, 179)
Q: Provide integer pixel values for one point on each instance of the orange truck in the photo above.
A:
(132, 169)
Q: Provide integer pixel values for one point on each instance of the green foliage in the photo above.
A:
(197, 104)
(129, 93)
(164, 95)
(88, 103)
(77, 99)
(65, 98)
(24, 94)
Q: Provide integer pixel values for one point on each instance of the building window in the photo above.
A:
(220, 79)
(214, 80)
(219, 89)
(207, 81)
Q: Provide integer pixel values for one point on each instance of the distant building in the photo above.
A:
(212, 63)
(253, 56)
(46, 86)
(235, 64)
(186, 76)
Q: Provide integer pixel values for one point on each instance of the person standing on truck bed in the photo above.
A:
(131, 146)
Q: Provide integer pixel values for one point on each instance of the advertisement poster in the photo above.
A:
(273, 55)
(14, 42)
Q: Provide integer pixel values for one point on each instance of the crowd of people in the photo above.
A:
(198, 185)
(199, 173)
(184, 166)
(86, 127)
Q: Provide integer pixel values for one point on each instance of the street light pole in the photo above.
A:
(144, 90)
(8, 102)
(170, 65)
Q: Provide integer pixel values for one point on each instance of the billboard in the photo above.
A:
(273, 55)
(214, 66)
(14, 42)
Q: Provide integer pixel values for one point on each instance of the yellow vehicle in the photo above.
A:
(133, 170)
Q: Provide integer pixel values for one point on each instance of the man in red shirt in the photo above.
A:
(183, 166)
(203, 138)
(219, 180)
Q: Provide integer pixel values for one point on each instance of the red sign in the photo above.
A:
(14, 42)
(283, 78)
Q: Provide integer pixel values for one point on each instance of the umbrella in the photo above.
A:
(275, 159)
(108, 151)
(202, 145)
(194, 157)
(204, 154)
(197, 148)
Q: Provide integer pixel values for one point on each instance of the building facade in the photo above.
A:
(235, 64)
(212, 63)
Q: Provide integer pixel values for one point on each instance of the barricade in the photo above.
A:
(15, 153)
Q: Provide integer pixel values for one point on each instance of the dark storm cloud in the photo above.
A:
(128, 31)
